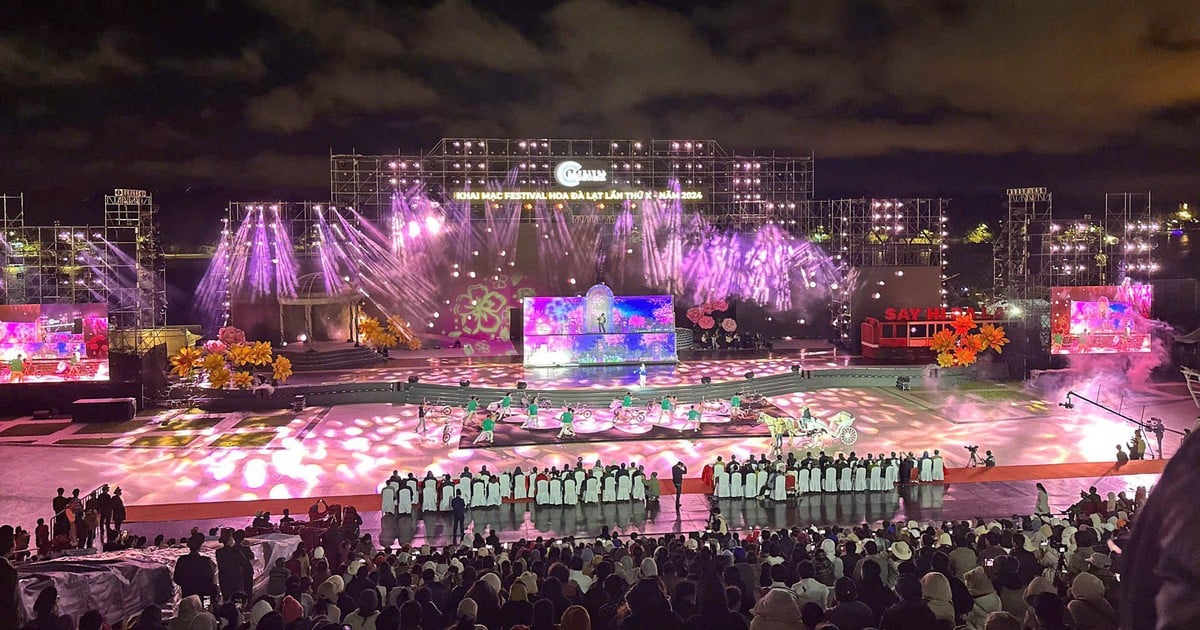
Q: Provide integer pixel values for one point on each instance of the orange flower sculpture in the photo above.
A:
(959, 346)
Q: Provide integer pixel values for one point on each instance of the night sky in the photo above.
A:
(213, 101)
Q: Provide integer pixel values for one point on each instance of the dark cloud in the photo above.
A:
(28, 63)
(247, 66)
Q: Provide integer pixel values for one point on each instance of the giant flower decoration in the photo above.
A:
(231, 335)
(728, 324)
(993, 337)
(219, 378)
(480, 310)
(943, 341)
(243, 380)
(707, 322)
(959, 346)
(963, 324)
(282, 368)
(694, 314)
(184, 360)
(244, 364)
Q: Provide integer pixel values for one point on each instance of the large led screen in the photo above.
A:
(1100, 320)
(42, 343)
(599, 328)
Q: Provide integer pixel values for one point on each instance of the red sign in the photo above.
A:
(936, 313)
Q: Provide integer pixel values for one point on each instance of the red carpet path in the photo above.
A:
(370, 502)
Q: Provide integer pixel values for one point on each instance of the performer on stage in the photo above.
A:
(600, 322)
(665, 408)
(642, 375)
(421, 417)
(471, 408)
(568, 423)
(532, 411)
(486, 430)
(16, 369)
(693, 419)
(505, 405)
(735, 406)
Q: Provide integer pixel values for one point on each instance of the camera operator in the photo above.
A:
(989, 460)
(716, 522)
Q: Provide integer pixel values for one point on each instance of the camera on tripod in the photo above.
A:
(972, 448)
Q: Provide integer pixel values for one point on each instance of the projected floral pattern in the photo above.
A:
(481, 311)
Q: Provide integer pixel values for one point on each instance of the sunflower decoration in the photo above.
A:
(282, 368)
(965, 355)
(241, 354)
(212, 362)
(219, 377)
(993, 337)
(185, 360)
(243, 379)
(260, 353)
(945, 359)
(963, 324)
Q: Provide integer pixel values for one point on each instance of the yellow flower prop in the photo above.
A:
(243, 380)
(185, 360)
(241, 354)
(964, 356)
(260, 353)
(993, 337)
(218, 378)
(212, 362)
(945, 359)
(282, 369)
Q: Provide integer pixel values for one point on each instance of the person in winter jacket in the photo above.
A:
(1038, 585)
(809, 589)
(986, 599)
(1088, 608)
(912, 613)
(935, 590)
(777, 610)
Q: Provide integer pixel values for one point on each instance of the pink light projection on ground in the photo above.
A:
(350, 449)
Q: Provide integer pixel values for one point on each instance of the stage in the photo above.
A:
(191, 458)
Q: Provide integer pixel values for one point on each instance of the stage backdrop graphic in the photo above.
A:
(1101, 319)
(599, 328)
(53, 342)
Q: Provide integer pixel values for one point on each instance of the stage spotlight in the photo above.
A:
(903, 383)
(464, 383)
(299, 403)
(522, 385)
(795, 369)
(749, 376)
(414, 379)
(704, 380)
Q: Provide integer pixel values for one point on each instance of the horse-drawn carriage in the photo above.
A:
(839, 428)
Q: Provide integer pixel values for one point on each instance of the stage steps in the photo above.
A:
(345, 358)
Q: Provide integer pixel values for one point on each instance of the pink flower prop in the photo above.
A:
(707, 322)
(719, 305)
(728, 324)
(231, 335)
(694, 314)
(214, 347)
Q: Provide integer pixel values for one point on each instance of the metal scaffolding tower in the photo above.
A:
(1022, 251)
(1129, 228)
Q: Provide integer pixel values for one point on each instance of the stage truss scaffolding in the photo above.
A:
(1022, 250)
(118, 263)
(738, 189)
(880, 233)
(1129, 229)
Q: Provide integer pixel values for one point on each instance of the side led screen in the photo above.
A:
(598, 329)
(1100, 320)
(53, 342)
